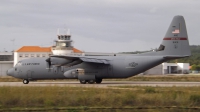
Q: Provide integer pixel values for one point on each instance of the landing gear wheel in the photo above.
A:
(98, 81)
(25, 81)
(91, 81)
(83, 81)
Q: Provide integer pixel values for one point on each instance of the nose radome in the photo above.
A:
(10, 72)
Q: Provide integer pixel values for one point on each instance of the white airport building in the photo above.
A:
(30, 52)
(6, 62)
(169, 68)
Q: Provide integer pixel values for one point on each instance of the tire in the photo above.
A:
(25, 81)
(91, 81)
(98, 81)
(83, 81)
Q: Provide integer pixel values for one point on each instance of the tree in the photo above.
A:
(198, 67)
(194, 67)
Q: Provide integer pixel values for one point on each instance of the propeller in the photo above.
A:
(48, 60)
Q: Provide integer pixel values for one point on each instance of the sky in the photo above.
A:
(95, 25)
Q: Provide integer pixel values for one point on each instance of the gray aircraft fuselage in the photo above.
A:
(119, 67)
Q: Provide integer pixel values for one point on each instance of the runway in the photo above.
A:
(104, 84)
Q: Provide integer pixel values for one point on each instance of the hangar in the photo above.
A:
(169, 68)
(6, 62)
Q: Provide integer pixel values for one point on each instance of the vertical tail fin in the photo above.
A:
(175, 43)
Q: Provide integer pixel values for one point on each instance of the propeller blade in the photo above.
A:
(49, 62)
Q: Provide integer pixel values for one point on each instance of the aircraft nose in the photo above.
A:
(10, 72)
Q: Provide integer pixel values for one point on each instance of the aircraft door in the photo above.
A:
(29, 74)
(102, 70)
(62, 69)
(110, 70)
(55, 70)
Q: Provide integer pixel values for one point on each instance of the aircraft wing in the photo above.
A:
(94, 60)
(83, 59)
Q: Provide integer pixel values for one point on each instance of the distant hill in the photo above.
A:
(193, 59)
(135, 52)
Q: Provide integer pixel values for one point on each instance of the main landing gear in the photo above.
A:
(98, 81)
(25, 81)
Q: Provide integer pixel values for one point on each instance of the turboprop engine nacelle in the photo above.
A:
(80, 74)
(74, 73)
(58, 61)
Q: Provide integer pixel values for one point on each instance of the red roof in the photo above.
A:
(76, 50)
(40, 49)
(34, 49)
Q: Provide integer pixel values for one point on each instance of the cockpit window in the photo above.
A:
(19, 63)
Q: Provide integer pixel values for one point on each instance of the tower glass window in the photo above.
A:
(61, 44)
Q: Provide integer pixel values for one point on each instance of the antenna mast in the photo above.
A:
(13, 41)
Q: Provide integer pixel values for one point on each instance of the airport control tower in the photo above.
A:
(63, 45)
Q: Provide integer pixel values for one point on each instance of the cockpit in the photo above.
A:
(19, 63)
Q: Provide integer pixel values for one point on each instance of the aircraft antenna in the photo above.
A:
(13, 42)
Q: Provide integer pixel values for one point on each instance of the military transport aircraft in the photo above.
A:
(92, 69)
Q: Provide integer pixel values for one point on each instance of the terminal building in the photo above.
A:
(63, 46)
(26, 52)
(6, 62)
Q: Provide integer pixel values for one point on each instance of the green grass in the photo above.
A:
(81, 99)
(9, 79)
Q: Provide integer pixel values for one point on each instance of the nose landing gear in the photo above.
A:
(25, 81)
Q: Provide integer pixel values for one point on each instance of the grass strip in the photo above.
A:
(98, 108)
(140, 97)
